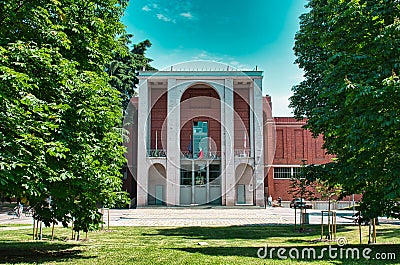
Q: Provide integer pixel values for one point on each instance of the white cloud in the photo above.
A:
(165, 18)
(170, 11)
(221, 58)
(146, 8)
(204, 55)
(187, 15)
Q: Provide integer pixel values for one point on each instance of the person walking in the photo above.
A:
(18, 210)
(270, 201)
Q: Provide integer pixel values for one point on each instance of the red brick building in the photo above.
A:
(208, 137)
(294, 146)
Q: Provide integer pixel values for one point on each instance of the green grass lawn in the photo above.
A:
(179, 245)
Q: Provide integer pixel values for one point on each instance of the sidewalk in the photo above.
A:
(204, 216)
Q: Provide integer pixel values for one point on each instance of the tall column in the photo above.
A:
(173, 140)
(229, 159)
(269, 144)
(223, 148)
(251, 136)
(258, 143)
(143, 111)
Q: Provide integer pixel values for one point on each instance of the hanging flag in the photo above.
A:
(156, 152)
(190, 147)
(245, 143)
(201, 154)
(156, 140)
(209, 148)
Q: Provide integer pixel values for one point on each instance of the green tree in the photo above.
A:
(124, 67)
(350, 54)
(60, 134)
(332, 193)
(303, 188)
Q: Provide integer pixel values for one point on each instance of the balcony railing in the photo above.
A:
(187, 155)
(213, 155)
(242, 153)
(156, 153)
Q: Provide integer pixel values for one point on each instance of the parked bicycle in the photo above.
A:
(29, 211)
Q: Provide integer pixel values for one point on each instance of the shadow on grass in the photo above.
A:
(47, 238)
(240, 232)
(387, 232)
(382, 231)
(38, 252)
(351, 254)
(231, 232)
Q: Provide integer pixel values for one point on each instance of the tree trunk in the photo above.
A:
(322, 225)
(34, 223)
(72, 229)
(37, 229)
(52, 232)
(108, 214)
(369, 231)
(374, 231)
(301, 213)
(40, 231)
(329, 220)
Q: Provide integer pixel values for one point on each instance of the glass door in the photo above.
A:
(186, 184)
(200, 183)
(200, 139)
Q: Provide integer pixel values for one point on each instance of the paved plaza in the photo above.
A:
(203, 216)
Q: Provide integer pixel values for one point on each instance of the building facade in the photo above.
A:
(208, 137)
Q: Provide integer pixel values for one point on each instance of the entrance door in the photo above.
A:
(241, 190)
(159, 194)
(214, 184)
(200, 195)
(200, 183)
(186, 185)
(186, 195)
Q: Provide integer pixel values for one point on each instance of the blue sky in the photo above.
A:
(242, 34)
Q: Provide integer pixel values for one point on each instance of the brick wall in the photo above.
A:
(200, 103)
(293, 144)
